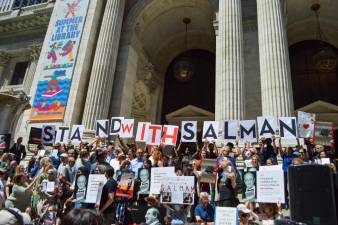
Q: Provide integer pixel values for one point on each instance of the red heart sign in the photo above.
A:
(306, 125)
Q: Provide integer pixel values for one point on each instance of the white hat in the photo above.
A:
(242, 208)
(64, 155)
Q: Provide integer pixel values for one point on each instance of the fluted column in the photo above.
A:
(102, 74)
(274, 59)
(230, 73)
(4, 59)
(34, 53)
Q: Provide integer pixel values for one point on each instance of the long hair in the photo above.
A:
(83, 217)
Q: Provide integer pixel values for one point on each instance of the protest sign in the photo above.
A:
(62, 134)
(157, 173)
(48, 134)
(249, 185)
(144, 180)
(144, 215)
(209, 171)
(5, 140)
(76, 134)
(178, 190)
(48, 186)
(288, 128)
(226, 216)
(229, 131)
(125, 181)
(81, 181)
(247, 131)
(210, 131)
(154, 134)
(41, 153)
(35, 135)
(142, 131)
(102, 128)
(115, 125)
(94, 182)
(169, 136)
(189, 131)
(127, 128)
(323, 133)
(270, 185)
(306, 123)
(266, 126)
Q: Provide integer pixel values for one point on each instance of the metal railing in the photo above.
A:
(8, 5)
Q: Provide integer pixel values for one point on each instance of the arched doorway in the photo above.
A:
(198, 91)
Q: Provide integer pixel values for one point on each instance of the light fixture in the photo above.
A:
(183, 67)
(325, 58)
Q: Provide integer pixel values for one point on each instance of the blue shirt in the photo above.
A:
(287, 160)
(206, 214)
(136, 164)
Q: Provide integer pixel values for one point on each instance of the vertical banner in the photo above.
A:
(249, 186)
(5, 140)
(209, 171)
(125, 181)
(127, 128)
(142, 131)
(169, 136)
(189, 131)
(270, 185)
(178, 190)
(52, 92)
(48, 134)
(266, 126)
(306, 124)
(323, 133)
(210, 131)
(226, 216)
(247, 131)
(288, 127)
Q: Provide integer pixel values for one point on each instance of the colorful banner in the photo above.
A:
(52, 92)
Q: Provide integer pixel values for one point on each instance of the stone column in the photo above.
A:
(4, 59)
(274, 59)
(229, 55)
(34, 53)
(102, 74)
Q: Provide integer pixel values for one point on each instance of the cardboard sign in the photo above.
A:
(178, 190)
(266, 126)
(230, 131)
(226, 216)
(247, 131)
(125, 180)
(5, 141)
(35, 135)
(62, 134)
(323, 133)
(189, 131)
(249, 186)
(94, 183)
(210, 131)
(142, 131)
(115, 125)
(306, 124)
(209, 171)
(48, 134)
(102, 128)
(154, 134)
(288, 127)
(144, 179)
(270, 185)
(76, 134)
(127, 128)
(169, 136)
(157, 174)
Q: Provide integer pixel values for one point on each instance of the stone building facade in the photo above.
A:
(127, 47)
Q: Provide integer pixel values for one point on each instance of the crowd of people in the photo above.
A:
(27, 198)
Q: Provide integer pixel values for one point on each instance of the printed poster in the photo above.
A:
(157, 175)
(270, 185)
(209, 171)
(125, 183)
(226, 216)
(80, 190)
(144, 215)
(178, 190)
(59, 60)
(35, 135)
(249, 186)
(95, 181)
(144, 181)
(323, 133)
(306, 122)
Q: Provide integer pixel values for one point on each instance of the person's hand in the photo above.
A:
(97, 205)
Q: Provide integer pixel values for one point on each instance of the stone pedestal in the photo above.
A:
(274, 59)
(102, 74)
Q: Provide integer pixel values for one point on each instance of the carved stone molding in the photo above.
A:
(4, 58)
(34, 52)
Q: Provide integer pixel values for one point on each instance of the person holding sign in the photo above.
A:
(268, 149)
(227, 185)
(106, 206)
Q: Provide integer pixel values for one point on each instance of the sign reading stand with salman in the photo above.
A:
(58, 60)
